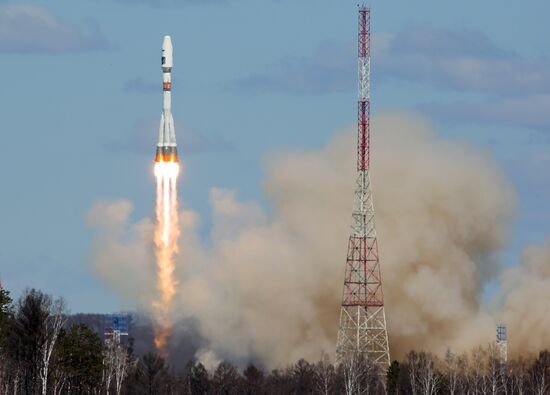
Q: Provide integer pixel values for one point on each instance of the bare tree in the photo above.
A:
(59, 379)
(121, 364)
(303, 377)
(518, 376)
(540, 374)
(464, 382)
(494, 370)
(351, 374)
(108, 367)
(53, 324)
(360, 375)
(253, 380)
(58, 374)
(451, 363)
(116, 362)
(279, 382)
(226, 379)
(199, 380)
(12, 376)
(477, 379)
(6, 319)
(16, 381)
(324, 375)
(413, 365)
(428, 376)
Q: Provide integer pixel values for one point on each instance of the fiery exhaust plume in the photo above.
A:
(166, 243)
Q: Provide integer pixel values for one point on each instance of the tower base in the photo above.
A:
(362, 331)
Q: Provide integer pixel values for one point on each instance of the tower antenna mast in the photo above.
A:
(362, 329)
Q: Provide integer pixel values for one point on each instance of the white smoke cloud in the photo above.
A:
(268, 287)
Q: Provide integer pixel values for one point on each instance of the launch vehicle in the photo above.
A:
(166, 147)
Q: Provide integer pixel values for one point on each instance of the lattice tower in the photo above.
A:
(362, 329)
(502, 343)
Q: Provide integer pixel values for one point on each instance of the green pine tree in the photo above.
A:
(80, 354)
(392, 377)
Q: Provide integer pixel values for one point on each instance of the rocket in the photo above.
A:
(166, 147)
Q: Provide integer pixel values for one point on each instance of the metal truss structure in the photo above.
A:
(362, 329)
(502, 344)
(116, 326)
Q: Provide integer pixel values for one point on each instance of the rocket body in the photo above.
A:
(166, 146)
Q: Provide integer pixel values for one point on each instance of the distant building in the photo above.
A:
(116, 327)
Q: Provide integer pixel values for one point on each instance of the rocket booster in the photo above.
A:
(166, 147)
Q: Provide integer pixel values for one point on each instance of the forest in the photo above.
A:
(42, 352)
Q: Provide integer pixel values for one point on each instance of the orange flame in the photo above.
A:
(166, 242)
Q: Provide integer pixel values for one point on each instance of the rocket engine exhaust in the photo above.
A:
(167, 169)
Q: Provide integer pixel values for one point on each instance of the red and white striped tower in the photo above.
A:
(362, 329)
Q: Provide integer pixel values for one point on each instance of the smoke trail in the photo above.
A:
(274, 280)
(166, 243)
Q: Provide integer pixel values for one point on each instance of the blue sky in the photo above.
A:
(80, 105)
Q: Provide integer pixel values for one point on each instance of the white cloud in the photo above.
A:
(176, 3)
(464, 61)
(525, 111)
(514, 89)
(30, 28)
(331, 68)
(169, 3)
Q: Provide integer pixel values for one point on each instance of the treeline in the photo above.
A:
(41, 354)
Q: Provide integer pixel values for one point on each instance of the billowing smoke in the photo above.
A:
(268, 286)
(126, 249)
(444, 209)
(526, 294)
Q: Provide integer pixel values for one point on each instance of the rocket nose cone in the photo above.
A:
(167, 43)
(167, 60)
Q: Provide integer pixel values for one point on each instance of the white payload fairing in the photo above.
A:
(166, 147)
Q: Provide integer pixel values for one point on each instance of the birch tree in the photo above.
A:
(540, 373)
(108, 367)
(518, 376)
(451, 363)
(413, 362)
(494, 370)
(55, 320)
(121, 364)
(428, 376)
(324, 376)
(359, 375)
